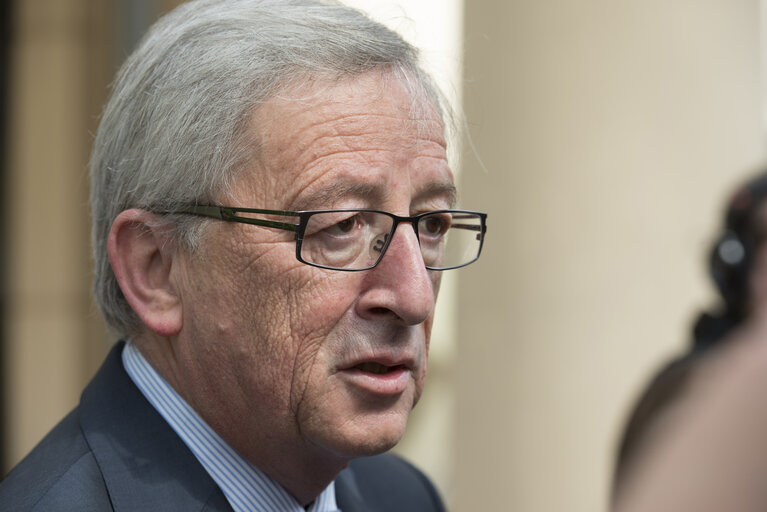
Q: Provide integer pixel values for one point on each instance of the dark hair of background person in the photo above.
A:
(730, 264)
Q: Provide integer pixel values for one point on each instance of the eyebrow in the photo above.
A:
(437, 189)
(330, 195)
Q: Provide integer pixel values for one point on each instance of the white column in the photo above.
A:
(610, 134)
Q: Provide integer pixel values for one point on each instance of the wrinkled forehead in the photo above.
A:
(366, 121)
(380, 90)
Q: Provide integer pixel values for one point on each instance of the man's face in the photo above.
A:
(280, 356)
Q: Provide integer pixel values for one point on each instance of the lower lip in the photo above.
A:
(393, 382)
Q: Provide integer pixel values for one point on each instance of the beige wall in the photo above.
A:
(52, 337)
(63, 55)
(610, 133)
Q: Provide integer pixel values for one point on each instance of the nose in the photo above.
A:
(400, 286)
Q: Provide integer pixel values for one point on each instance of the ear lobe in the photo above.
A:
(142, 259)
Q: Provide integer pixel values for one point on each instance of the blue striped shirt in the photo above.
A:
(245, 487)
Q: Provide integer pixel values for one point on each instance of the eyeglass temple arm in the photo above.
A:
(228, 213)
(470, 227)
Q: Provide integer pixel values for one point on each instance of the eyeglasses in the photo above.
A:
(357, 239)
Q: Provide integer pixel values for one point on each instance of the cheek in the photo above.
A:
(319, 310)
(319, 304)
(421, 377)
(237, 299)
(436, 280)
(285, 313)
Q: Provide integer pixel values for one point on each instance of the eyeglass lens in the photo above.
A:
(356, 239)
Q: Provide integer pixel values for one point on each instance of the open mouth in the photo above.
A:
(376, 378)
(377, 368)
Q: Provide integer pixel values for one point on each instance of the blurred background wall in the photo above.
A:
(60, 57)
(602, 138)
(610, 134)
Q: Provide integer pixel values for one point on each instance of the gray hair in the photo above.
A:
(173, 131)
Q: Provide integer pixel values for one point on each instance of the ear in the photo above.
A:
(142, 259)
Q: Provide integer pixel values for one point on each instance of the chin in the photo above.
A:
(369, 447)
(366, 436)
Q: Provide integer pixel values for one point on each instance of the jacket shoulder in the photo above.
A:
(59, 474)
(388, 482)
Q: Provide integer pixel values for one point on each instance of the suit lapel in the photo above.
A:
(144, 463)
(348, 497)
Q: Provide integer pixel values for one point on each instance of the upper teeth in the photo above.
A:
(373, 368)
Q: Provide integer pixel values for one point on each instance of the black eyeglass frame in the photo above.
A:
(229, 214)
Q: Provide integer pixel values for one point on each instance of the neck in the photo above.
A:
(160, 353)
(305, 485)
(303, 471)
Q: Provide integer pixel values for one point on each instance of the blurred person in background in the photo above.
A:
(738, 267)
(711, 456)
(272, 209)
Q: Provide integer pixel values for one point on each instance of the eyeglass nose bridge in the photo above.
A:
(381, 243)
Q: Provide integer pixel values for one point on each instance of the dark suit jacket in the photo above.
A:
(115, 452)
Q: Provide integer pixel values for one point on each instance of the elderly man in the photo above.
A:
(272, 207)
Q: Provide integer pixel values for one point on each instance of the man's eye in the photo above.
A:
(435, 226)
(342, 227)
(346, 225)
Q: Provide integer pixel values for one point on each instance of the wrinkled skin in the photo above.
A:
(265, 341)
